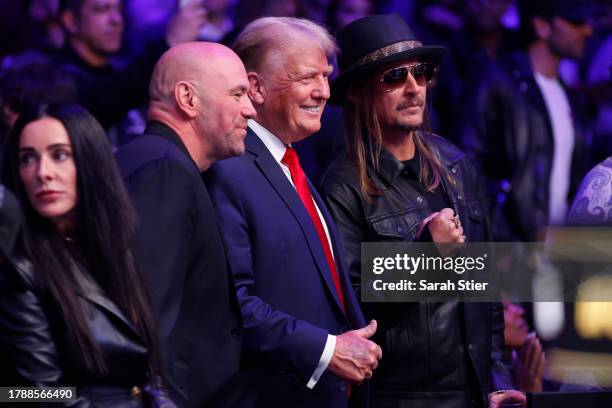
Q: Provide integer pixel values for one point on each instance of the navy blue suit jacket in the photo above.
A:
(285, 289)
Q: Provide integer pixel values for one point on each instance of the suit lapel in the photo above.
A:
(275, 176)
(352, 311)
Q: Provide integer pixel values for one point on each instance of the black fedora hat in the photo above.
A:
(373, 42)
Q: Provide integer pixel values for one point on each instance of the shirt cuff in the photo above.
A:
(326, 357)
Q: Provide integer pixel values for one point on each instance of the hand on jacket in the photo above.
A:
(444, 228)
(355, 357)
(529, 362)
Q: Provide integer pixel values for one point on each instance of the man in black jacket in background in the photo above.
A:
(523, 126)
(197, 115)
(108, 87)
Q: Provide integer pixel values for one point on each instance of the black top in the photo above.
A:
(110, 91)
(447, 315)
(411, 172)
(181, 254)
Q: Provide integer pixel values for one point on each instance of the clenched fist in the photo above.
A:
(445, 228)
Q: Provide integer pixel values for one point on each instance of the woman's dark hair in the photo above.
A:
(104, 231)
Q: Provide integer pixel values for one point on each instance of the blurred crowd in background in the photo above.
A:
(101, 53)
(42, 38)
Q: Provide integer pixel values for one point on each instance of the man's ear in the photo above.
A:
(69, 21)
(185, 97)
(541, 27)
(257, 91)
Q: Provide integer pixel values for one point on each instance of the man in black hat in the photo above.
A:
(396, 182)
(523, 125)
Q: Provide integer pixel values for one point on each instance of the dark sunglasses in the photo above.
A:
(396, 77)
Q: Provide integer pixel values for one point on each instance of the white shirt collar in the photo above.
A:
(272, 142)
(544, 79)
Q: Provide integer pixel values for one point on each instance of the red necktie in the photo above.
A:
(292, 160)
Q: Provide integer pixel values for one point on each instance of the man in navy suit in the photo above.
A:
(301, 318)
(197, 114)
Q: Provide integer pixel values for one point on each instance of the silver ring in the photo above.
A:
(457, 221)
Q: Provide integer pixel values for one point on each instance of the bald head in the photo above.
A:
(194, 62)
(199, 90)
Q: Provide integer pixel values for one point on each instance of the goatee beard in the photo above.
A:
(407, 128)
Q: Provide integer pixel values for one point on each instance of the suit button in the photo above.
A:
(459, 197)
(236, 332)
(454, 170)
(136, 392)
(470, 346)
(419, 199)
(342, 386)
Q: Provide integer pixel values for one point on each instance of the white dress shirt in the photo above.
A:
(560, 114)
(277, 149)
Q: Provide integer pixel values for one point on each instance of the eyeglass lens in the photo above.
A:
(422, 74)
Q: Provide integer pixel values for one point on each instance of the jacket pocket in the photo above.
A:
(396, 227)
(475, 211)
(473, 219)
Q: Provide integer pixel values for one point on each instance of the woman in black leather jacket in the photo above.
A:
(73, 307)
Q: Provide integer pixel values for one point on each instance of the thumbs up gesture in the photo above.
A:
(355, 357)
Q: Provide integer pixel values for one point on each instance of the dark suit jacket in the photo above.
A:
(40, 351)
(284, 284)
(181, 254)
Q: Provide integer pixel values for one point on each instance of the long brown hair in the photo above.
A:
(364, 140)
